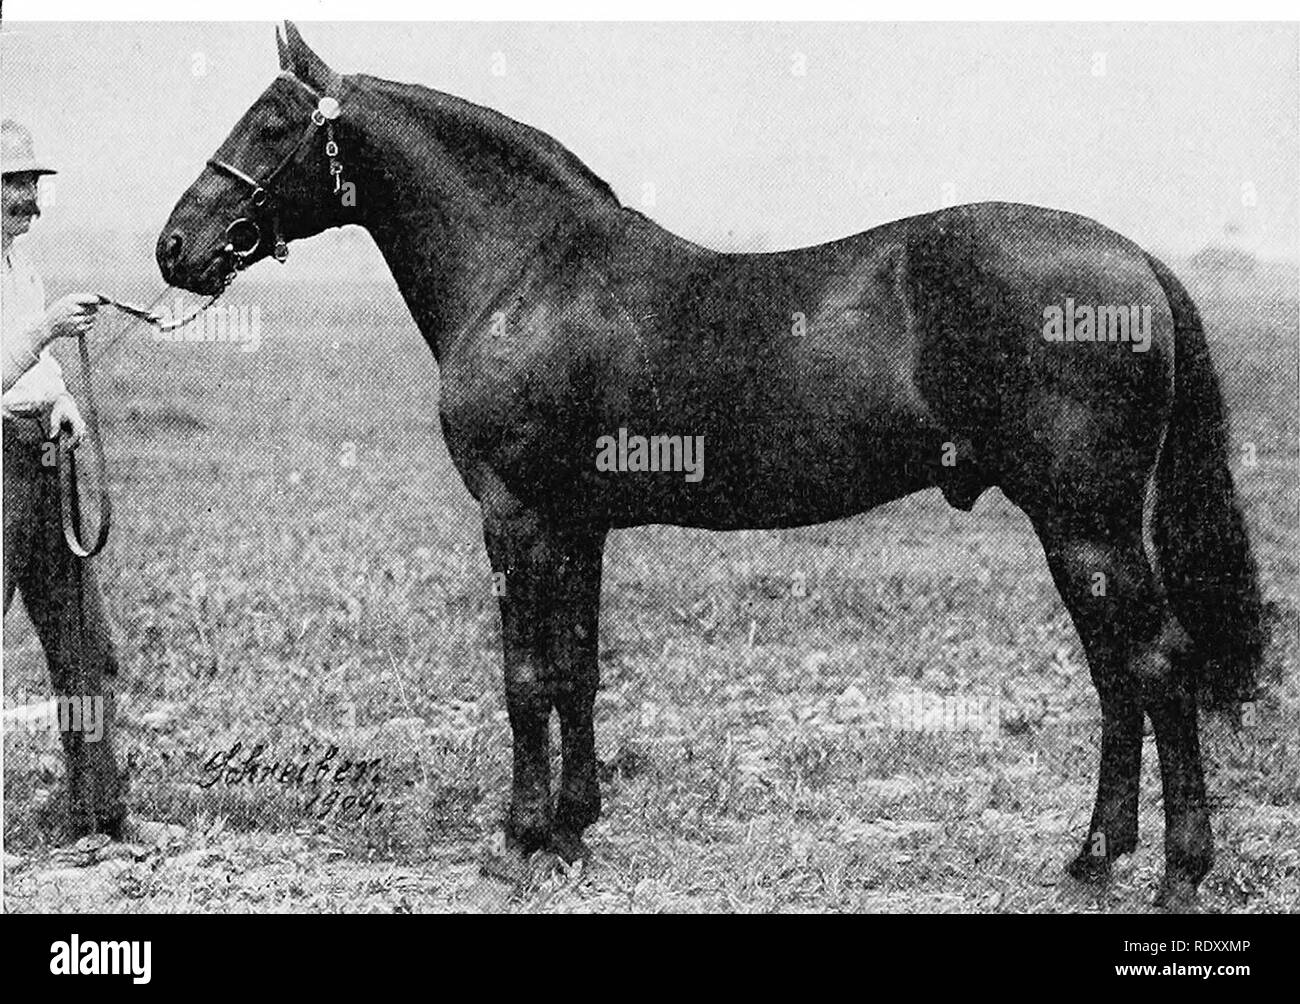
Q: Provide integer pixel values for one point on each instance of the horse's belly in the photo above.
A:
(791, 431)
(820, 460)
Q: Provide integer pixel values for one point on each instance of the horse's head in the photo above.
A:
(270, 182)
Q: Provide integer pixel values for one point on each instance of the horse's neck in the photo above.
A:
(450, 277)
(454, 244)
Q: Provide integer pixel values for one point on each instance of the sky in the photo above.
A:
(737, 135)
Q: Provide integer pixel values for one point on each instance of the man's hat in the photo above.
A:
(17, 156)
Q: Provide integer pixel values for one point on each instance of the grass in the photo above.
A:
(268, 589)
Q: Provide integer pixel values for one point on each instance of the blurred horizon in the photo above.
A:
(74, 257)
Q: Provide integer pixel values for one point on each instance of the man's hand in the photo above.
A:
(73, 315)
(65, 416)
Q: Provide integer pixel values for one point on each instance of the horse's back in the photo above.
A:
(832, 378)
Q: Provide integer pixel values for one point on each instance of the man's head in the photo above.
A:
(22, 171)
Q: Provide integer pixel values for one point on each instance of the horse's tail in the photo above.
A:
(1206, 565)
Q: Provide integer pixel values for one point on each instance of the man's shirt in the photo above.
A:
(22, 303)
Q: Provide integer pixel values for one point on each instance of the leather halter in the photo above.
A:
(246, 234)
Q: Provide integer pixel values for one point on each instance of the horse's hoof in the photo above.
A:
(504, 861)
(1177, 895)
(1091, 869)
(546, 865)
(569, 847)
(150, 832)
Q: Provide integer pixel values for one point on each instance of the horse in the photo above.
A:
(946, 350)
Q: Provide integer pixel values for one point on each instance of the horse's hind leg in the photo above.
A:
(1081, 569)
(1136, 652)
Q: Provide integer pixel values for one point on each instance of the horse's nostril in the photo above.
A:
(169, 252)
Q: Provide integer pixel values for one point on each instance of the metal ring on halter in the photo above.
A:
(242, 249)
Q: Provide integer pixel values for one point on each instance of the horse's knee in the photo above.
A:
(528, 694)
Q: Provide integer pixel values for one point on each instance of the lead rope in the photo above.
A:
(147, 315)
(65, 457)
(69, 503)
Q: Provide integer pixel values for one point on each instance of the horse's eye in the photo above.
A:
(275, 126)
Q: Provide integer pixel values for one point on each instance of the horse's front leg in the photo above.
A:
(573, 649)
(523, 563)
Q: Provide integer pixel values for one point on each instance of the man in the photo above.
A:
(59, 590)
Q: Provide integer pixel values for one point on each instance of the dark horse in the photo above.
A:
(824, 381)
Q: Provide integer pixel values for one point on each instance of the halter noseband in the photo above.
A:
(244, 235)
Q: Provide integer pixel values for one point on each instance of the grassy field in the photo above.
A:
(295, 563)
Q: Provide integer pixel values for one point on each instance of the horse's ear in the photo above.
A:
(305, 64)
(283, 50)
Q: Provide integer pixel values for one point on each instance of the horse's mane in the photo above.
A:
(498, 143)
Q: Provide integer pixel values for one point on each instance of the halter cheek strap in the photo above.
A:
(263, 197)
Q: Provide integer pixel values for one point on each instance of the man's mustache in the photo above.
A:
(24, 209)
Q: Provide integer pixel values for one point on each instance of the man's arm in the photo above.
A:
(22, 351)
(71, 316)
(37, 389)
